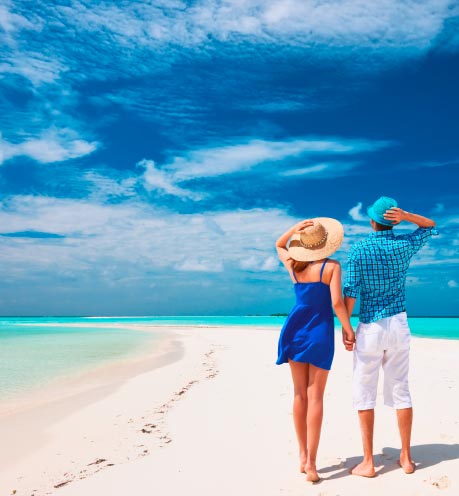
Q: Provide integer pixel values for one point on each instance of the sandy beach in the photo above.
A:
(212, 415)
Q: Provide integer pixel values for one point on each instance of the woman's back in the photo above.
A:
(319, 271)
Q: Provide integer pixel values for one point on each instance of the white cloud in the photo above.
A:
(133, 238)
(133, 244)
(452, 284)
(54, 145)
(242, 157)
(356, 213)
(366, 33)
(305, 171)
(259, 263)
(209, 162)
(164, 182)
(201, 265)
(216, 161)
(35, 67)
(104, 187)
(11, 21)
(348, 23)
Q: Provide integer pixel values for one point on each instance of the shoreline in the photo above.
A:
(75, 382)
(50, 425)
(223, 404)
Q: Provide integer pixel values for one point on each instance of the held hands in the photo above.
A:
(348, 339)
(395, 215)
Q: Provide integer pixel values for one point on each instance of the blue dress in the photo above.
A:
(308, 333)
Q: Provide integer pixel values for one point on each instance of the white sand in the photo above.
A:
(222, 425)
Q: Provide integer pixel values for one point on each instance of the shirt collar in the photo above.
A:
(389, 233)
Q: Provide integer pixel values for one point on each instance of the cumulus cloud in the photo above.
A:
(134, 244)
(54, 145)
(356, 213)
(163, 181)
(135, 237)
(257, 263)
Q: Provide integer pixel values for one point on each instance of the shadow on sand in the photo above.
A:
(424, 455)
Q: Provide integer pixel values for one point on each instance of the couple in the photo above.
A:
(376, 271)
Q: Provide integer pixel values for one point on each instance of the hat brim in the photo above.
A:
(335, 237)
(377, 218)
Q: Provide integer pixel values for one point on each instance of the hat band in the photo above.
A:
(308, 246)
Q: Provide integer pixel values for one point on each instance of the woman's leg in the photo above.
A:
(300, 376)
(316, 387)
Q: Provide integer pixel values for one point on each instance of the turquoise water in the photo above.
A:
(34, 351)
(33, 355)
(428, 327)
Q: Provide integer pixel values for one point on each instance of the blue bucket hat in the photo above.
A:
(378, 209)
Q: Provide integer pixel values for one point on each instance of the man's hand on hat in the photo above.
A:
(395, 215)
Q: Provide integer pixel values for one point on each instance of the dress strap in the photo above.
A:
(322, 269)
(294, 276)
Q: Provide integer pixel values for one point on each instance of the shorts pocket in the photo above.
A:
(367, 338)
(402, 331)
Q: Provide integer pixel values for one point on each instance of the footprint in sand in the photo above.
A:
(440, 482)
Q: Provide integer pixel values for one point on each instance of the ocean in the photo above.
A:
(36, 350)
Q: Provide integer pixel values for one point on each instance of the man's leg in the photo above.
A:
(367, 421)
(396, 386)
(368, 357)
(405, 421)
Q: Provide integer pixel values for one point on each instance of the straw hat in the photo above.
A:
(318, 241)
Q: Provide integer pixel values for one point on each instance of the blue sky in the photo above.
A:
(152, 152)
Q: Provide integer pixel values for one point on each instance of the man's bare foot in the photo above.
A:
(407, 465)
(364, 469)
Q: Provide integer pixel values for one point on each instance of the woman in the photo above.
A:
(306, 341)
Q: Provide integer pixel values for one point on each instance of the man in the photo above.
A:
(377, 268)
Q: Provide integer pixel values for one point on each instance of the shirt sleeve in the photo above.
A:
(352, 280)
(419, 237)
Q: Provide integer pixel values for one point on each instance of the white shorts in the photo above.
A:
(385, 343)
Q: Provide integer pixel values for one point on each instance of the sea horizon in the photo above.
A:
(102, 316)
(35, 351)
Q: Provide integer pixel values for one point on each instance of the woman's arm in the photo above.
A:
(340, 308)
(281, 243)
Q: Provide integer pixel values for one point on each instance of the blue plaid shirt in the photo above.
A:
(377, 269)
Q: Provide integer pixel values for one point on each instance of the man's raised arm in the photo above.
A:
(396, 215)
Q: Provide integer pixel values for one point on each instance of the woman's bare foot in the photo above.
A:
(303, 461)
(364, 469)
(407, 465)
(311, 473)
